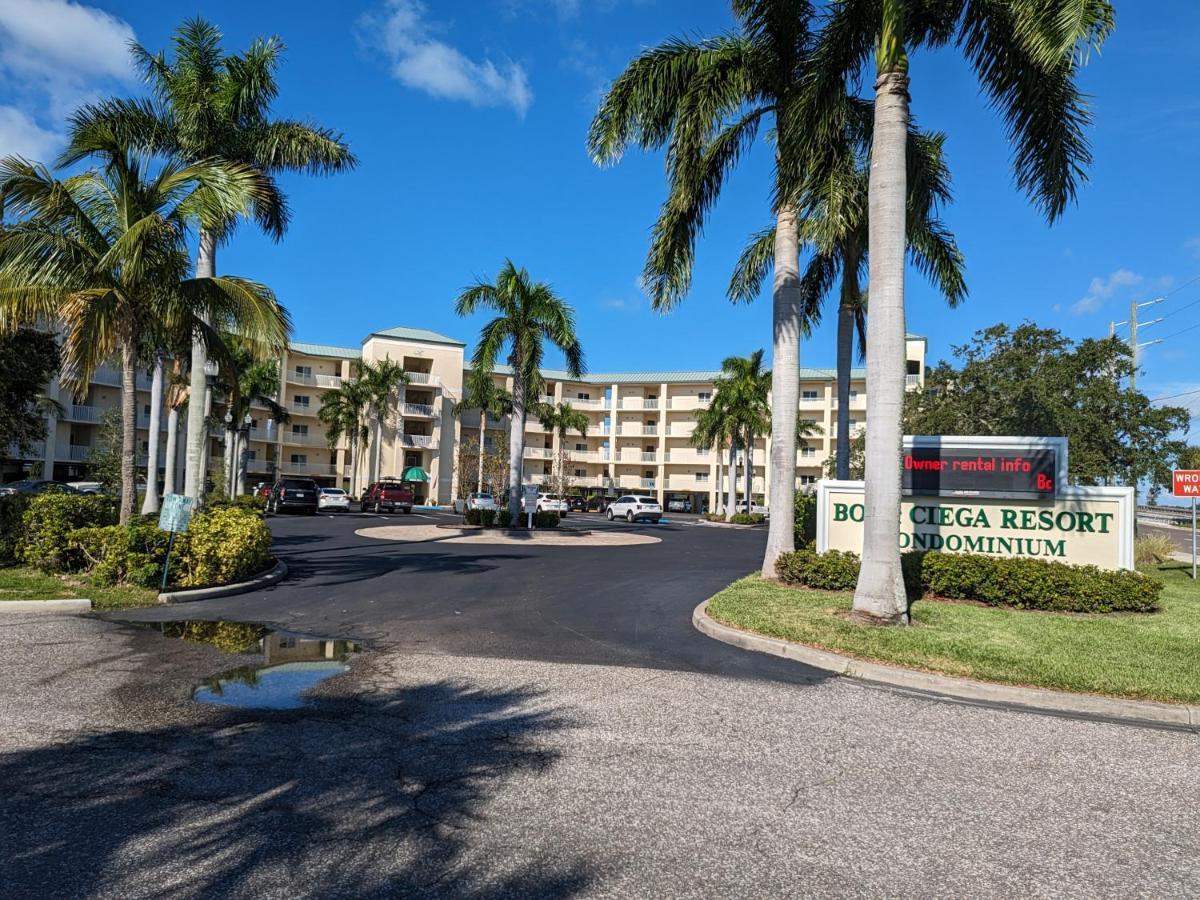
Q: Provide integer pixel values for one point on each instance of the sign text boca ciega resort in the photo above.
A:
(1080, 525)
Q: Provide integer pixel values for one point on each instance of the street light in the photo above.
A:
(211, 370)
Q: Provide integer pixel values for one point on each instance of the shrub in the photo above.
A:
(1153, 550)
(747, 518)
(224, 545)
(252, 502)
(806, 519)
(545, 519)
(133, 553)
(48, 522)
(714, 517)
(996, 581)
(12, 511)
(504, 517)
(484, 517)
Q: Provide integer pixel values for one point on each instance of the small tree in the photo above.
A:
(104, 459)
(28, 359)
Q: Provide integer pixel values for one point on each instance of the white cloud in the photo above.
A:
(21, 136)
(54, 55)
(1102, 289)
(419, 60)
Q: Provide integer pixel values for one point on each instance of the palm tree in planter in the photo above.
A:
(528, 314)
(561, 419)
(836, 227)
(382, 379)
(104, 253)
(1026, 54)
(481, 392)
(343, 412)
(707, 102)
(209, 105)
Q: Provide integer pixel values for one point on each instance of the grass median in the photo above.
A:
(1149, 656)
(24, 583)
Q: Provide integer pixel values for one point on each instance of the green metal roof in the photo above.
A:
(416, 334)
(324, 350)
(697, 377)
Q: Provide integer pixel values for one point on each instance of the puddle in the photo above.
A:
(291, 664)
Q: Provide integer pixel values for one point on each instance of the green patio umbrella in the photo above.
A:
(414, 473)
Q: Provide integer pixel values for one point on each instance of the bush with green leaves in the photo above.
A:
(806, 519)
(126, 554)
(225, 545)
(251, 502)
(747, 518)
(996, 581)
(47, 524)
(484, 517)
(504, 517)
(546, 519)
(12, 513)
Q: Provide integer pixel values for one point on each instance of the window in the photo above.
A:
(146, 409)
(808, 395)
(811, 421)
(287, 643)
(703, 451)
(853, 396)
(808, 479)
(581, 447)
(808, 452)
(580, 395)
(702, 478)
(301, 400)
(581, 473)
(300, 429)
(299, 459)
(704, 396)
(304, 371)
(253, 454)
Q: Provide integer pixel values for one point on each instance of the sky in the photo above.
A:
(469, 121)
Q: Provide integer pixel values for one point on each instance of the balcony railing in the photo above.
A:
(427, 378)
(418, 409)
(36, 450)
(589, 403)
(83, 413)
(539, 453)
(688, 402)
(259, 465)
(307, 468)
(304, 409)
(324, 381)
(109, 375)
(423, 441)
(304, 440)
(73, 452)
(912, 380)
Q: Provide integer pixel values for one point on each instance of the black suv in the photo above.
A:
(293, 493)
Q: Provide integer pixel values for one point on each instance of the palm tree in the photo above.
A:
(706, 101)
(561, 419)
(213, 106)
(1025, 54)
(481, 392)
(746, 387)
(150, 501)
(175, 396)
(382, 379)
(247, 376)
(529, 313)
(836, 227)
(343, 413)
(104, 253)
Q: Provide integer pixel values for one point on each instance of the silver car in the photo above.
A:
(333, 498)
(633, 507)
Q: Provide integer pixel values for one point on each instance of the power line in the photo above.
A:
(1174, 396)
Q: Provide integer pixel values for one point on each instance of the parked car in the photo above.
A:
(293, 493)
(333, 498)
(37, 487)
(577, 504)
(679, 504)
(388, 494)
(262, 489)
(549, 503)
(632, 507)
(480, 500)
(87, 487)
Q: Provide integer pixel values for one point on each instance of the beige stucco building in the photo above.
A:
(638, 439)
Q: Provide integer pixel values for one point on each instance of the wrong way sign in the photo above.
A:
(1185, 482)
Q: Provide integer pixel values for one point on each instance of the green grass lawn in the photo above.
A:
(21, 583)
(1153, 656)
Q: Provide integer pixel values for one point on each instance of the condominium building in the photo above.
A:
(638, 437)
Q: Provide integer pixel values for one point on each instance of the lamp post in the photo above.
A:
(243, 456)
(230, 453)
(211, 370)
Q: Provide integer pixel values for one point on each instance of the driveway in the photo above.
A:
(543, 722)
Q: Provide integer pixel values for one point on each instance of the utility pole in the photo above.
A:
(1134, 346)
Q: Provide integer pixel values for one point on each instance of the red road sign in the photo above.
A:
(1185, 482)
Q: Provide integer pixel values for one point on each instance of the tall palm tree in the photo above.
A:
(561, 419)
(343, 412)
(746, 387)
(706, 102)
(248, 376)
(175, 396)
(836, 226)
(210, 105)
(529, 313)
(382, 378)
(481, 392)
(716, 427)
(1026, 54)
(157, 376)
(104, 253)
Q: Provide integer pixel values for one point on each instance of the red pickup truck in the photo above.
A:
(388, 494)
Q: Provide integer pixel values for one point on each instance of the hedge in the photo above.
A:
(544, 519)
(12, 513)
(996, 581)
(484, 517)
(132, 554)
(48, 522)
(225, 545)
(747, 518)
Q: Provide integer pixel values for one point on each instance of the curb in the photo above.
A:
(62, 607)
(266, 579)
(1087, 706)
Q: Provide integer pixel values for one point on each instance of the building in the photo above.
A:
(638, 438)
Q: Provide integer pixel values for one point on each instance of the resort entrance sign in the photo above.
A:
(999, 496)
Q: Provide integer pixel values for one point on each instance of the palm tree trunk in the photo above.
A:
(128, 429)
(482, 436)
(193, 478)
(243, 459)
(172, 451)
(377, 447)
(354, 461)
(845, 358)
(720, 474)
(785, 389)
(749, 470)
(731, 481)
(880, 595)
(150, 504)
(516, 448)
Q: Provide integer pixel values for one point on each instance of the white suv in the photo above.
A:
(549, 503)
(480, 500)
(632, 507)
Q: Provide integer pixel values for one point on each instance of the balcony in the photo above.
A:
(811, 401)
(418, 441)
(109, 375)
(912, 380)
(419, 409)
(83, 413)
(425, 378)
(547, 399)
(306, 468)
(687, 455)
(634, 429)
(539, 453)
(259, 465)
(587, 456)
(36, 450)
(686, 403)
(73, 452)
(296, 439)
(261, 434)
(586, 404)
(303, 409)
(681, 429)
(639, 403)
(321, 381)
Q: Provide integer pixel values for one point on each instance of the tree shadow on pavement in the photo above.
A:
(414, 791)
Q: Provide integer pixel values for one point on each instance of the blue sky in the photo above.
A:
(469, 119)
